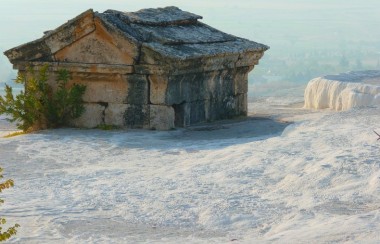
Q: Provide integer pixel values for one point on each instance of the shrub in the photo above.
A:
(5, 235)
(40, 106)
(107, 127)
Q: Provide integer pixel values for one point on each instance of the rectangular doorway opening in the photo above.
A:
(179, 114)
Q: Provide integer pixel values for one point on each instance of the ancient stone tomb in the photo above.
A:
(155, 68)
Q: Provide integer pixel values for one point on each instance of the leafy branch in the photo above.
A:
(40, 106)
(11, 231)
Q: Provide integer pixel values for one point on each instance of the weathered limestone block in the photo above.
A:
(138, 89)
(91, 49)
(186, 88)
(38, 50)
(114, 114)
(148, 56)
(241, 101)
(249, 58)
(91, 118)
(151, 69)
(69, 33)
(161, 117)
(220, 62)
(99, 47)
(137, 116)
(127, 44)
(222, 108)
(184, 67)
(78, 68)
(209, 110)
(190, 87)
(158, 87)
(105, 91)
(192, 113)
(228, 107)
(222, 85)
(111, 88)
(241, 80)
(205, 86)
(158, 117)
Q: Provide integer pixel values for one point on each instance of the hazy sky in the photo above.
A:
(271, 22)
(25, 20)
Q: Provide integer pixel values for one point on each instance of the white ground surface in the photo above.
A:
(344, 91)
(313, 181)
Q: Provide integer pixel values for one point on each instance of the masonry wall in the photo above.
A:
(208, 96)
(161, 100)
(121, 100)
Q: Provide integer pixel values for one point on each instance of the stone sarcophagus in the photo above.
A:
(154, 68)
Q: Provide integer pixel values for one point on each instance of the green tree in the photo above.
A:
(40, 106)
(5, 235)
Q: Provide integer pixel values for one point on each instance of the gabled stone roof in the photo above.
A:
(157, 16)
(171, 32)
(177, 34)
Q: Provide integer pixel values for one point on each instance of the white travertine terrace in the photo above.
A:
(344, 91)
